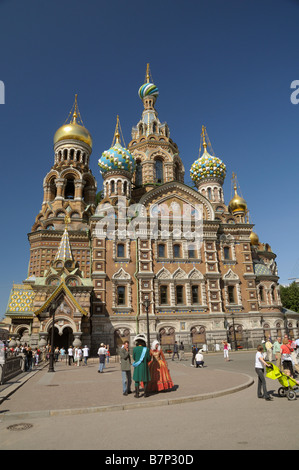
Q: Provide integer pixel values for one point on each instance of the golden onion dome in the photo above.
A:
(254, 239)
(73, 130)
(237, 204)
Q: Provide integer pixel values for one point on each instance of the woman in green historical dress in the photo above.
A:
(141, 357)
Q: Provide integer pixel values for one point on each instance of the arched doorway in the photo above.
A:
(198, 335)
(120, 336)
(64, 339)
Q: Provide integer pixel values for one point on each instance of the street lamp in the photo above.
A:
(233, 317)
(51, 356)
(226, 325)
(286, 325)
(147, 304)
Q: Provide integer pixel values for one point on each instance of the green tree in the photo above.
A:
(290, 296)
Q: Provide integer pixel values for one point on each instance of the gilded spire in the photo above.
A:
(118, 133)
(75, 113)
(204, 144)
(147, 77)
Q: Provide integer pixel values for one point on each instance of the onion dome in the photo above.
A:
(254, 239)
(207, 166)
(73, 130)
(237, 204)
(117, 157)
(148, 88)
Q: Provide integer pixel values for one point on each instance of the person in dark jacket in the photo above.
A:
(125, 365)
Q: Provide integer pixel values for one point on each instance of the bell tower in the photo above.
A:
(69, 190)
(157, 156)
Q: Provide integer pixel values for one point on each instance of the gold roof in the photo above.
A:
(237, 204)
(73, 130)
(254, 239)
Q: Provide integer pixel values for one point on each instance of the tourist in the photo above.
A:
(85, 354)
(102, 355)
(56, 353)
(194, 351)
(78, 355)
(269, 346)
(141, 357)
(199, 359)
(62, 353)
(276, 351)
(175, 350)
(70, 355)
(181, 351)
(286, 358)
(159, 373)
(107, 353)
(36, 357)
(259, 369)
(225, 350)
(125, 365)
(29, 359)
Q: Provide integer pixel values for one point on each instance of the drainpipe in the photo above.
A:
(137, 284)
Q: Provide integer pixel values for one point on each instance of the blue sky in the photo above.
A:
(225, 64)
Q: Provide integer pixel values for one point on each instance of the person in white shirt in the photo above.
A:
(85, 354)
(78, 356)
(70, 355)
(259, 369)
(199, 359)
(102, 356)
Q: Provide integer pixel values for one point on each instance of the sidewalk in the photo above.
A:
(74, 390)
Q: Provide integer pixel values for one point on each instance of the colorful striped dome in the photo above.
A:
(148, 89)
(117, 158)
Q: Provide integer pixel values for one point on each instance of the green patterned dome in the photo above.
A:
(207, 166)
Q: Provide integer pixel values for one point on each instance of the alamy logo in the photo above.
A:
(295, 94)
(2, 92)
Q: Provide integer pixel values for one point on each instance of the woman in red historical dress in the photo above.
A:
(160, 376)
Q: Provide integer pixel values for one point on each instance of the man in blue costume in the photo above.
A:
(141, 357)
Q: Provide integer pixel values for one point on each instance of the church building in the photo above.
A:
(144, 251)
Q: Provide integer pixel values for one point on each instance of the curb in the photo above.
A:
(100, 409)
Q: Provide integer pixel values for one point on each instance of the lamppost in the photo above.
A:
(226, 324)
(147, 304)
(233, 317)
(51, 356)
(286, 324)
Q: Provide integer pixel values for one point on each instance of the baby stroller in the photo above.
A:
(289, 386)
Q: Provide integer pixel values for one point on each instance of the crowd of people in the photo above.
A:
(282, 351)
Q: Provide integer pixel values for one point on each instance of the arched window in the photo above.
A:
(69, 189)
(161, 250)
(121, 295)
(138, 175)
(120, 250)
(209, 193)
(179, 291)
(159, 171)
(177, 172)
(262, 295)
(163, 295)
(194, 293)
(112, 187)
(273, 293)
(177, 251)
(226, 252)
